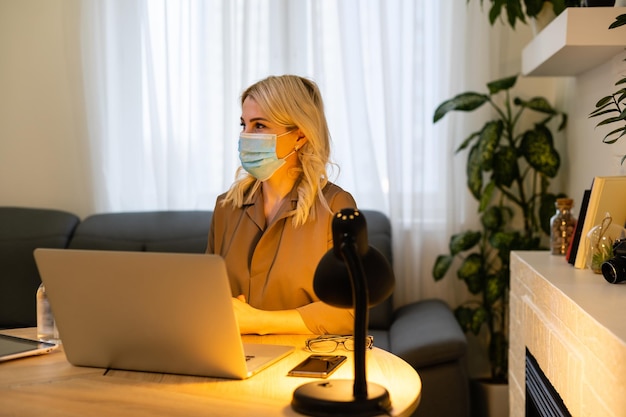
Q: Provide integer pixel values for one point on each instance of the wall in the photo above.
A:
(586, 154)
(42, 124)
(43, 136)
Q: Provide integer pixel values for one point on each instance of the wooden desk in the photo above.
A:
(50, 386)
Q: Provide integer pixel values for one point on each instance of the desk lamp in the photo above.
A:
(351, 274)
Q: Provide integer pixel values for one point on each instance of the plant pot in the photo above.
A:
(489, 399)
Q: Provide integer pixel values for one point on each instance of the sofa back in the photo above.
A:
(152, 231)
(22, 230)
(187, 231)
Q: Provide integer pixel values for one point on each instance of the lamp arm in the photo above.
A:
(360, 295)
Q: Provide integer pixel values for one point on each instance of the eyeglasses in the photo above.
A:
(329, 343)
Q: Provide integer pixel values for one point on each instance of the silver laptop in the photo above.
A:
(147, 311)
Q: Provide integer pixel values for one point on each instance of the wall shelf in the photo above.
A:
(574, 42)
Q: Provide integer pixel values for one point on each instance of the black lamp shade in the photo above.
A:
(332, 282)
(333, 285)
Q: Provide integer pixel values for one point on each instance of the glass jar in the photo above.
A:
(562, 226)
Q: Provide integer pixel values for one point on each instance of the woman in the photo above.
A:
(274, 224)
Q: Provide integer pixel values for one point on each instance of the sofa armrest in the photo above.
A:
(426, 333)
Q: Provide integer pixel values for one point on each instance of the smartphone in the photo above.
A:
(317, 366)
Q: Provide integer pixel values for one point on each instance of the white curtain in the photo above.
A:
(163, 79)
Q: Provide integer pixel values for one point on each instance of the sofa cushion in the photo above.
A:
(22, 230)
(158, 231)
(426, 333)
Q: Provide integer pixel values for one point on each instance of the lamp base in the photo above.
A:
(336, 397)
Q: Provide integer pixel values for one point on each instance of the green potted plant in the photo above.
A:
(614, 105)
(508, 172)
(515, 10)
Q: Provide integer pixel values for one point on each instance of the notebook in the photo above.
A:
(148, 311)
(12, 347)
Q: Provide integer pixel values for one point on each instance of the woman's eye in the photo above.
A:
(259, 126)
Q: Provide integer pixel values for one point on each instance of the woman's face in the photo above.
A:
(253, 120)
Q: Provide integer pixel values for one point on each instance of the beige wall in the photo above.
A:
(43, 139)
(587, 156)
(42, 128)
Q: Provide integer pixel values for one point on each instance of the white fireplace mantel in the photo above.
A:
(574, 323)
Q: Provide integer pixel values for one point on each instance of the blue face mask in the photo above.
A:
(257, 153)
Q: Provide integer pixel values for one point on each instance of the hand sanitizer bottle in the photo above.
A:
(46, 326)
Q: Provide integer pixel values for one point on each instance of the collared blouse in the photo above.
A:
(273, 264)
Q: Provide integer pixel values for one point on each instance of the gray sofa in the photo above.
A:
(425, 333)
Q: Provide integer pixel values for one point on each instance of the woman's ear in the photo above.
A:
(301, 141)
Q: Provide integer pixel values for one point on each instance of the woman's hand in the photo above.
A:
(247, 316)
(255, 321)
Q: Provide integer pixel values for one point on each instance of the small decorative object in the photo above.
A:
(562, 226)
(600, 240)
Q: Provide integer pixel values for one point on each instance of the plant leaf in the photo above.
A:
(485, 198)
(442, 264)
(495, 286)
(505, 241)
(494, 12)
(463, 102)
(470, 271)
(619, 21)
(493, 218)
(505, 168)
(537, 147)
(464, 316)
(609, 120)
(501, 84)
(488, 142)
(479, 317)
(546, 210)
(539, 104)
(612, 140)
(563, 123)
(601, 111)
(533, 7)
(467, 142)
(471, 319)
(559, 5)
(474, 172)
(604, 101)
(463, 241)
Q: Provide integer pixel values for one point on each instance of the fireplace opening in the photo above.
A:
(542, 399)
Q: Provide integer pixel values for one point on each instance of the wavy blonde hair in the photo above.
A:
(295, 103)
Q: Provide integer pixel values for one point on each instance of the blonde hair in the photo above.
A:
(293, 102)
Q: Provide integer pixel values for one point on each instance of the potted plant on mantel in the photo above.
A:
(508, 173)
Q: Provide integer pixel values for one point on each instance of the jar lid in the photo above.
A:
(564, 202)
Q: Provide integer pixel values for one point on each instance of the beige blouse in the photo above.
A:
(273, 265)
